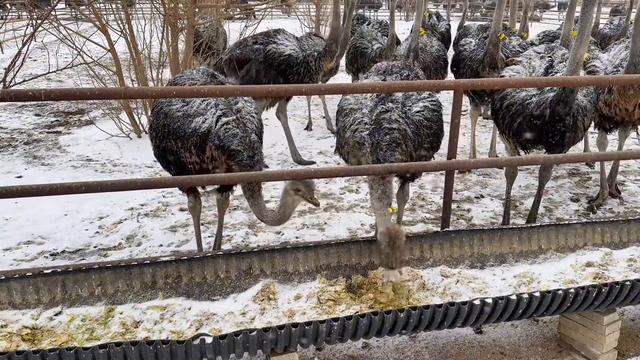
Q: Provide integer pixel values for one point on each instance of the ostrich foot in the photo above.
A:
(590, 165)
(614, 190)
(596, 202)
(309, 127)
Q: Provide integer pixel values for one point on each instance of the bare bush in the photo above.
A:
(28, 38)
(314, 15)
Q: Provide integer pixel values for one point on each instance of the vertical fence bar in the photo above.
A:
(452, 152)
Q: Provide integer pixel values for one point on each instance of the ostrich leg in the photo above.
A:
(587, 149)
(544, 175)
(595, 203)
(222, 202)
(402, 197)
(510, 174)
(614, 190)
(474, 114)
(281, 114)
(195, 209)
(493, 151)
(327, 117)
(309, 126)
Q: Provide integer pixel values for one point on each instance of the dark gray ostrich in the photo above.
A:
(391, 128)
(278, 57)
(441, 26)
(215, 135)
(562, 33)
(618, 10)
(563, 5)
(209, 42)
(317, 42)
(480, 51)
(549, 119)
(614, 29)
(370, 6)
(616, 106)
(565, 37)
(368, 46)
(432, 60)
(359, 20)
(542, 6)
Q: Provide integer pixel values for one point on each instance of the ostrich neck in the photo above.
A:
(565, 37)
(330, 49)
(633, 65)
(391, 40)
(253, 193)
(413, 50)
(565, 97)
(465, 7)
(524, 25)
(492, 49)
(627, 18)
(381, 194)
(513, 13)
(596, 22)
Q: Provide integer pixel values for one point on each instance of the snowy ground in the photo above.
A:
(53, 142)
(269, 303)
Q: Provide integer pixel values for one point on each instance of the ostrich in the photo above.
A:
(370, 6)
(441, 26)
(214, 135)
(614, 29)
(367, 47)
(542, 6)
(278, 57)
(209, 42)
(562, 8)
(480, 51)
(317, 42)
(549, 119)
(618, 10)
(359, 20)
(616, 106)
(432, 60)
(391, 128)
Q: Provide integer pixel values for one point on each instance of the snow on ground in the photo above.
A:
(55, 142)
(269, 303)
(59, 142)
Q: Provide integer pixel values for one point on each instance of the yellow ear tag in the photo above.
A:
(525, 36)
(423, 32)
(573, 33)
(503, 37)
(586, 57)
(392, 210)
(426, 15)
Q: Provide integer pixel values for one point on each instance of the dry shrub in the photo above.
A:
(143, 45)
(314, 15)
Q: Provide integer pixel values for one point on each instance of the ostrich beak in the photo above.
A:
(312, 200)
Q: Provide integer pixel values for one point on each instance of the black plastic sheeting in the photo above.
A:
(281, 338)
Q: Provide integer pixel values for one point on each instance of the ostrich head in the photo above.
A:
(302, 190)
(393, 238)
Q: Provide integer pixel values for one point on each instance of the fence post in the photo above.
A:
(452, 151)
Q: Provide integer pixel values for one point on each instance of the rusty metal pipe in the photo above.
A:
(88, 187)
(452, 153)
(257, 91)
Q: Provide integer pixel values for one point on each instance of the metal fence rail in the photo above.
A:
(256, 91)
